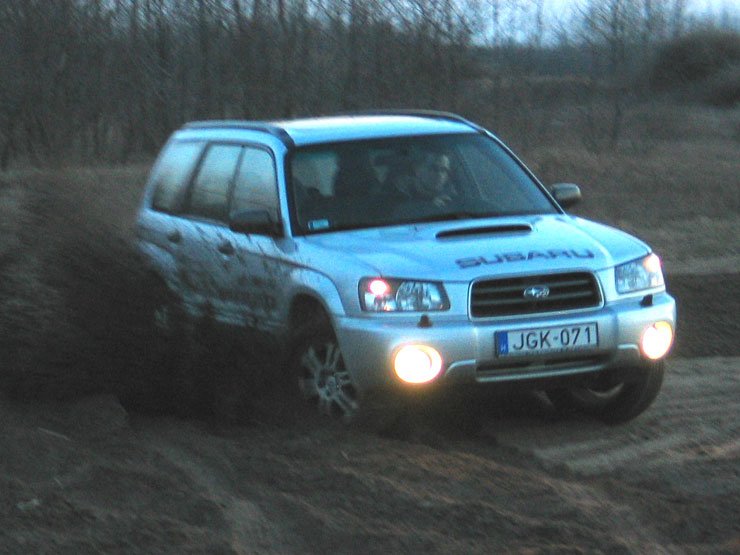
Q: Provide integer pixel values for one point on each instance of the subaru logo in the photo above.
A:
(537, 292)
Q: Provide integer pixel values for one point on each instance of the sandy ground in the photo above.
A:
(88, 476)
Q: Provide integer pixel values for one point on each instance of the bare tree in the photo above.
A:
(610, 27)
(111, 78)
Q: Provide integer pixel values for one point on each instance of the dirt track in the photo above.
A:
(85, 476)
(694, 419)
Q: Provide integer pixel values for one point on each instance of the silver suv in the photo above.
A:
(394, 252)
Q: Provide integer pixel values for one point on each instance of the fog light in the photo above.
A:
(417, 363)
(657, 340)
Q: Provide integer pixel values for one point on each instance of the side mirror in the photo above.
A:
(254, 222)
(567, 194)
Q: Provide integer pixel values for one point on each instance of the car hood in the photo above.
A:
(461, 250)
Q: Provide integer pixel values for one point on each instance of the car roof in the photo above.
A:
(350, 127)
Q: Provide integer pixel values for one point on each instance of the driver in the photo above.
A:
(433, 179)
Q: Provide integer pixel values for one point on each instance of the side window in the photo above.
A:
(315, 169)
(256, 183)
(171, 175)
(210, 192)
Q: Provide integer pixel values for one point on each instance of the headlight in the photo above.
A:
(644, 273)
(398, 295)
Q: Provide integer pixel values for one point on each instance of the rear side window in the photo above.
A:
(210, 194)
(171, 174)
(256, 183)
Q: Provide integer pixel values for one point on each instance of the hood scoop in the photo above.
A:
(484, 230)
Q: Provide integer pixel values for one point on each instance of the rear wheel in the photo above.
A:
(611, 402)
(147, 382)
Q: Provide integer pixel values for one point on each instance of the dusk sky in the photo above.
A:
(696, 7)
(558, 14)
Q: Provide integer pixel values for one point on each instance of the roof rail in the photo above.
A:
(431, 114)
(273, 130)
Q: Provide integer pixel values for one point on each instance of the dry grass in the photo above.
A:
(704, 65)
(681, 195)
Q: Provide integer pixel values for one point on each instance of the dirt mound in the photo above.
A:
(76, 304)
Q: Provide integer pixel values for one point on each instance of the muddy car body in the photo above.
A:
(405, 251)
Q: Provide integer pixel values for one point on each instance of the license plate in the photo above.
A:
(533, 341)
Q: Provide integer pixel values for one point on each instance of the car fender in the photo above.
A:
(308, 282)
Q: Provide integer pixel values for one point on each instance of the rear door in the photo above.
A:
(206, 255)
(159, 226)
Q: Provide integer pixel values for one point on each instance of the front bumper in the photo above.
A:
(467, 347)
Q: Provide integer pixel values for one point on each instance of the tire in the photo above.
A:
(613, 403)
(317, 368)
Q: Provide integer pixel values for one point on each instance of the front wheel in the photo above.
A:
(322, 377)
(318, 368)
(612, 403)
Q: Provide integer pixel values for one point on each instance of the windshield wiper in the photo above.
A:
(447, 216)
(345, 227)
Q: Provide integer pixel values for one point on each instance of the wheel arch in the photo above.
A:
(160, 264)
(305, 307)
(311, 291)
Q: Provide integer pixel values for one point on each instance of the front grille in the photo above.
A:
(505, 297)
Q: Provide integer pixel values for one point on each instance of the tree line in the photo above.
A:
(110, 79)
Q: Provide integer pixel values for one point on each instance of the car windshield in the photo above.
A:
(364, 184)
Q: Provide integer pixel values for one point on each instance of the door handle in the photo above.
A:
(226, 248)
(174, 236)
